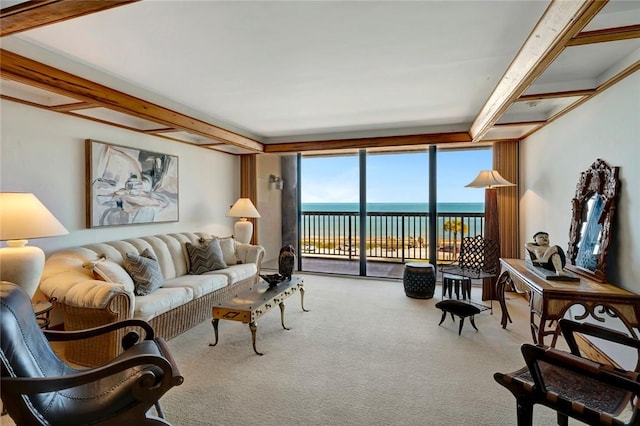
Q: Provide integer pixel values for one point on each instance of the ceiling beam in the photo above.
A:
(28, 71)
(605, 35)
(363, 143)
(33, 14)
(556, 95)
(562, 21)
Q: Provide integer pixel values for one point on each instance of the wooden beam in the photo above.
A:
(363, 143)
(28, 71)
(605, 35)
(34, 14)
(562, 21)
(73, 107)
(556, 95)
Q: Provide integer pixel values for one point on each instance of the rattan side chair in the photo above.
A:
(575, 386)
(37, 387)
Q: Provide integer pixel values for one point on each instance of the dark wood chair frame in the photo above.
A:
(147, 367)
(532, 384)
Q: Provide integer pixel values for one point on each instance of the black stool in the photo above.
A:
(419, 280)
(461, 309)
(460, 282)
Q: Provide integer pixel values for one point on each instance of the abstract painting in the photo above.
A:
(127, 186)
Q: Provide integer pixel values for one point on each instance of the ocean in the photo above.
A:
(394, 207)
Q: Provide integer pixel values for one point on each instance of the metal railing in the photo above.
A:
(390, 236)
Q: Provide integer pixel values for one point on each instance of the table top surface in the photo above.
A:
(585, 286)
(259, 294)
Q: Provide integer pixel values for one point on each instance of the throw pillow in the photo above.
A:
(229, 250)
(145, 272)
(107, 270)
(205, 257)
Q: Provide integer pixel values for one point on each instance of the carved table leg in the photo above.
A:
(302, 299)
(281, 304)
(253, 327)
(215, 322)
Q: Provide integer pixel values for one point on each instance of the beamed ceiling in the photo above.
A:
(307, 76)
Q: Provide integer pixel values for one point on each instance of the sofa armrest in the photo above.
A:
(73, 288)
(248, 253)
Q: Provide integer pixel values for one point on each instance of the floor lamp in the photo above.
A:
(243, 229)
(22, 217)
(490, 180)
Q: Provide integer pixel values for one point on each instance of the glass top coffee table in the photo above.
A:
(250, 304)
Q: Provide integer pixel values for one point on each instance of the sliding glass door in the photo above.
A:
(329, 214)
(370, 213)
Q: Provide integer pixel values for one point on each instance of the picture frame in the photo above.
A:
(130, 186)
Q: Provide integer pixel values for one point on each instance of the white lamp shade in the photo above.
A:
(243, 208)
(23, 216)
(489, 179)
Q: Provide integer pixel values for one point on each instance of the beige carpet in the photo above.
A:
(365, 354)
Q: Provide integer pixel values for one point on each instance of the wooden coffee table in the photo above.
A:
(249, 305)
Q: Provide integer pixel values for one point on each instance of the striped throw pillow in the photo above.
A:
(144, 271)
(205, 257)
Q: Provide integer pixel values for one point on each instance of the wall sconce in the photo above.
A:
(276, 181)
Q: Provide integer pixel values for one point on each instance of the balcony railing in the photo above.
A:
(390, 236)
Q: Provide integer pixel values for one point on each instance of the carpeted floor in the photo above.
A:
(365, 354)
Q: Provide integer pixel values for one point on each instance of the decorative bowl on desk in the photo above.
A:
(273, 279)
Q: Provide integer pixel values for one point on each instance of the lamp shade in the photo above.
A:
(243, 208)
(489, 179)
(23, 216)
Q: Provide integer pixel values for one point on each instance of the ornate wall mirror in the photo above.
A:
(593, 206)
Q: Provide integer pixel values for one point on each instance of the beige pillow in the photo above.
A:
(229, 250)
(109, 271)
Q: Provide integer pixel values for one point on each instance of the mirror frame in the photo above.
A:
(600, 179)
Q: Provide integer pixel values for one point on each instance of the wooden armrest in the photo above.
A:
(569, 327)
(534, 354)
(59, 336)
(28, 386)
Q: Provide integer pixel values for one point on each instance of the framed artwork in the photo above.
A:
(127, 186)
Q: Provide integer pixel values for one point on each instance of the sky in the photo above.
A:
(394, 178)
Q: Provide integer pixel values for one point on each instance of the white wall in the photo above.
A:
(44, 152)
(269, 206)
(606, 127)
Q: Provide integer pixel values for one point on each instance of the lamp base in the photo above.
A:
(22, 266)
(243, 230)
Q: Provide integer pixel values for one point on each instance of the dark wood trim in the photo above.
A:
(606, 35)
(28, 71)
(363, 143)
(558, 25)
(35, 14)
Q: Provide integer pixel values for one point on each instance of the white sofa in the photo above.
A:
(86, 300)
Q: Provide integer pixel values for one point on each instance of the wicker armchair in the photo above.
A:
(575, 386)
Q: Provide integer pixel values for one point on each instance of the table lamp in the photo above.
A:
(243, 229)
(23, 216)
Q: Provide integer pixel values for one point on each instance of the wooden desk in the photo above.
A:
(550, 300)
